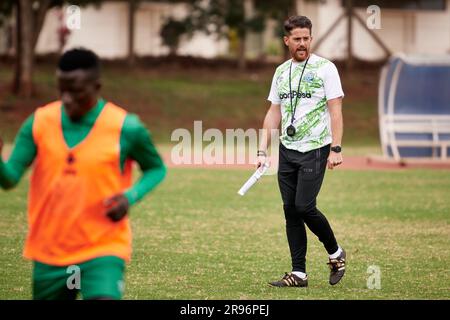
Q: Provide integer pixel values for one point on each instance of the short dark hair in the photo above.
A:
(79, 58)
(297, 22)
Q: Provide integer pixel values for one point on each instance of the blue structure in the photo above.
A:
(414, 108)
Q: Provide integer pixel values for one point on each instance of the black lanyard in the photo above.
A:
(298, 89)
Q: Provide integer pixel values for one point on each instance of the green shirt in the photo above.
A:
(135, 143)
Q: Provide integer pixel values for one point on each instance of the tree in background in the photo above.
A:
(232, 19)
(30, 16)
(220, 18)
(171, 32)
(279, 11)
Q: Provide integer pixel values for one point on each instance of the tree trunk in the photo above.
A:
(242, 60)
(293, 9)
(24, 81)
(18, 50)
(349, 11)
(28, 26)
(131, 18)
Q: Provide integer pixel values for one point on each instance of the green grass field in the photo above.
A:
(195, 238)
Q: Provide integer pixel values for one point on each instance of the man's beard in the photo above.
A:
(298, 56)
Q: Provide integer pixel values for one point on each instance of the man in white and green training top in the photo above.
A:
(306, 97)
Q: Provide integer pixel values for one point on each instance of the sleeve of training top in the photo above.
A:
(145, 154)
(332, 82)
(21, 158)
(273, 95)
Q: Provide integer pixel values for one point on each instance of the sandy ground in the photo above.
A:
(350, 163)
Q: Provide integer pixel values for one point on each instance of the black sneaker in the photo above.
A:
(290, 280)
(337, 267)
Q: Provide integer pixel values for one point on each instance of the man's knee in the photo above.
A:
(306, 209)
(291, 215)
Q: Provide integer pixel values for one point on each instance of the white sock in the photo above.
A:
(336, 254)
(299, 274)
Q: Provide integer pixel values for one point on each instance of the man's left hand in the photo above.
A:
(334, 159)
(116, 207)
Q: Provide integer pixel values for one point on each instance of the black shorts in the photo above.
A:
(300, 175)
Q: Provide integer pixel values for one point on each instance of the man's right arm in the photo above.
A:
(271, 122)
(21, 158)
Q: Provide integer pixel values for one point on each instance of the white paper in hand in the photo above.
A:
(252, 180)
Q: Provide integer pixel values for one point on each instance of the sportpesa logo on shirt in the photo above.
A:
(293, 94)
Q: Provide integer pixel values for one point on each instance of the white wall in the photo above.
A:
(149, 18)
(433, 31)
(104, 29)
(426, 32)
(335, 46)
(48, 38)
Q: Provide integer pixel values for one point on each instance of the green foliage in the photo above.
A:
(219, 16)
(171, 32)
(277, 10)
(5, 10)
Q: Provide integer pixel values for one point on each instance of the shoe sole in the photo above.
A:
(273, 286)
(333, 284)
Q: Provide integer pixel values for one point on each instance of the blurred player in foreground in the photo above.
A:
(81, 148)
